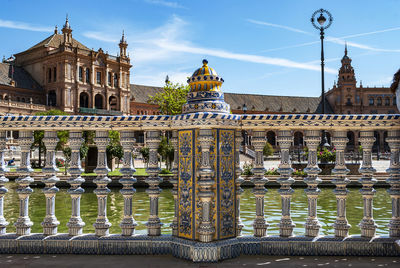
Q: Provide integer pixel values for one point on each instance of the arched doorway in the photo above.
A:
(98, 101)
(113, 102)
(298, 139)
(351, 143)
(52, 98)
(377, 144)
(84, 100)
(271, 138)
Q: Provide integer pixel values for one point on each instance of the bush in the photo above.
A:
(268, 149)
(165, 171)
(326, 155)
(60, 162)
(247, 169)
(272, 171)
(299, 172)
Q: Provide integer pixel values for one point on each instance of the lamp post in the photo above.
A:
(323, 24)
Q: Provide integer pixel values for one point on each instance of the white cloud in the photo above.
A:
(165, 3)
(101, 37)
(158, 79)
(23, 26)
(336, 40)
(264, 23)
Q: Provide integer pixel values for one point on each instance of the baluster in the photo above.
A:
(238, 181)
(367, 223)
(3, 180)
(174, 181)
(23, 224)
(205, 182)
(75, 224)
(102, 224)
(50, 221)
(286, 224)
(312, 140)
(260, 224)
(393, 140)
(154, 224)
(128, 223)
(341, 224)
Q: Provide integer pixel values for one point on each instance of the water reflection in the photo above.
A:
(326, 210)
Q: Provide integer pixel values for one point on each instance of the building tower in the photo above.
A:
(67, 32)
(122, 46)
(348, 99)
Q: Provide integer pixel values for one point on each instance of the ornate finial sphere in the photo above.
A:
(205, 91)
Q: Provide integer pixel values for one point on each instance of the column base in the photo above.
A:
(394, 228)
(286, 227)
(260, 227)
(341, 228)
(312, 227)
(102, 228)
(75, 226)
(154, 227)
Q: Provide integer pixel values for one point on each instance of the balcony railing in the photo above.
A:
(84, 110)
(206, 180)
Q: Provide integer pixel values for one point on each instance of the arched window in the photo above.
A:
(55, 74)
(98, 101)
(49, 75)
(109, 78)
(84, 100)
(387, 102)
(379, 101)
(87, 80)
(52, 98)
(80, 73)
(115, 80)
(371, 101)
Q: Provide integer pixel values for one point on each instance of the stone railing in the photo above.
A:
(17, 106)
(206, 186)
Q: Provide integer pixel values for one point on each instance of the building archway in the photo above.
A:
(351, 143)
(98, 101)
(113, 103)
(298, 139)
(271, 138)
(84, 100)
(377, 144)
(52, 98)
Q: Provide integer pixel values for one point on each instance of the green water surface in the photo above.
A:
(326, 210)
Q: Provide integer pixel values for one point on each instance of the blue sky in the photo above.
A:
(260, 47)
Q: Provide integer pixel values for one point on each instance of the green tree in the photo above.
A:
(171, 98)
(166, 151)
(38, 135)
(268, 149)
(145, 153)
(114, 148)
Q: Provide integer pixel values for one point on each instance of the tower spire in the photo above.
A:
(123, 45)
(67, 32)
(345, 48)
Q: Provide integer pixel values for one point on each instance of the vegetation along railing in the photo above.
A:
(206, 180)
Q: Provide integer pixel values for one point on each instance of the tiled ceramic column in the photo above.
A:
(3, 180)
(341, 224)
(260, 224)
(75, 223)
(50, 222)
(286, 224)
(394, 180)
(312, 139)
(238, 181)
(205, 182)
(102, 224)
(153, 141)
(174, 181)
(23, 224)
(128, 223)
(367, 223)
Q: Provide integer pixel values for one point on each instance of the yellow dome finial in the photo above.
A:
(205, 62)
(205, 78)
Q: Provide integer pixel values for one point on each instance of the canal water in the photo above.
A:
(326, 209)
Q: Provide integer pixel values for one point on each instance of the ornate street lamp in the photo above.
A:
(323, 24)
